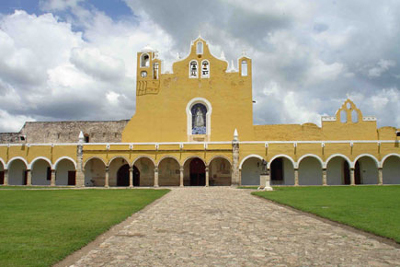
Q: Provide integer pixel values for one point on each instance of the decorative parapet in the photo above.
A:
(328, 118)
(369, 118)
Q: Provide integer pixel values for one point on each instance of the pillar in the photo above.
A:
(324, 180)
(207, 176)
(106, 182)
(240, 177)
(181, 176)
(235, 163)
(130, 177)
(380, 176)
(352, 177)
(28, 177)
(53, 177)
(296, 177)
(5, 177)
(155, 176)
(80, 174)
(265, 180)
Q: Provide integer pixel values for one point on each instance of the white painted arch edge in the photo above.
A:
(282, 156)
(311, 156)
(248, 157)
(388, 156)
(339, 156)
(16, 158)
(377, 163)
(40, 158)
(67, 158)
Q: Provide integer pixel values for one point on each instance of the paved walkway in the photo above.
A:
(229, 227)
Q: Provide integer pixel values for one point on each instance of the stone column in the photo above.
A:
(181, 176)
(352, 177)
(380, 176)
(5, 177)
(107, 178)
(324, 179)
(207, 176)
(53, 178)
(155, 176)
(296, 177)
(28, 177)
(240, 177)
(130, 177)
(235, 161)
(80, 174)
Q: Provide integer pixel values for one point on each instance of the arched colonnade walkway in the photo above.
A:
(168, 171)
(311, 170)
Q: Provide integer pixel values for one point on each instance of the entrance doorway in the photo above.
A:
(197, 172)
(123, 176)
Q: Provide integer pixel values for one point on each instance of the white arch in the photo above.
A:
(247, 157)
(166, 157)
(4, 164)
(220, 156)
(15, 158)
(116, 157)
(144, 157)
(89, 159)
(282, 156)
(62, 158)
(387, 156)
(337, 155)
(311, 156)
(366, 155)
(192, 157)
(40, 158)
(189, 106)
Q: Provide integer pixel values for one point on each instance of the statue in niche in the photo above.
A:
(199, 119)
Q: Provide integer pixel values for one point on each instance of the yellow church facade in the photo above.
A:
(194, 127)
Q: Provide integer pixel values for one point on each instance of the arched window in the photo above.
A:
(244, 68)
(145, 61)
(193, 69)
(155, 71)
(199, 48)
(343, 116)
(205, 69)
(199, 119)
(354, 116)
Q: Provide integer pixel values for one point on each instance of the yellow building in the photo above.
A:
(194, 127)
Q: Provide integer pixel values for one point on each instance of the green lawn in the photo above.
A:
(374, 209)
(41, 227)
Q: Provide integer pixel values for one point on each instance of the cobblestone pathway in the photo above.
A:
(229, 227)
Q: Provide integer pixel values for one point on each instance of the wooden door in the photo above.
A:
(1, 177)
(71, 177)
(197, 172)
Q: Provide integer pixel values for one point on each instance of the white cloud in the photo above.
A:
(12, 123)
(382, 66)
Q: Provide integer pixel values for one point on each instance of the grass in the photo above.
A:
(375, 209)
(41, 227)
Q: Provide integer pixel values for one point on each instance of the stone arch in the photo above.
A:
(366, 169)
(391, 169)
(338, 170)
(95, 171)
(145, 166)
(3, 163)
(94, 157)
(41, 171)
(249, 156)
(310, 170)
(169, 171)
(65, 168)
(282, 156)
(220, 156)
(164, 157)
(17, 171)
(194, 171)
(282, 170)
(220, 171)
(40, 158)
(366, 155)
(312, 156)
(62, 158)
(116, 177)
(250, 170)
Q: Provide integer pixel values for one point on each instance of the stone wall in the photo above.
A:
(67, 132)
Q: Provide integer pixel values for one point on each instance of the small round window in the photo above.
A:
(143, 74)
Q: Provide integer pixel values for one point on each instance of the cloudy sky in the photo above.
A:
(75, 59)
